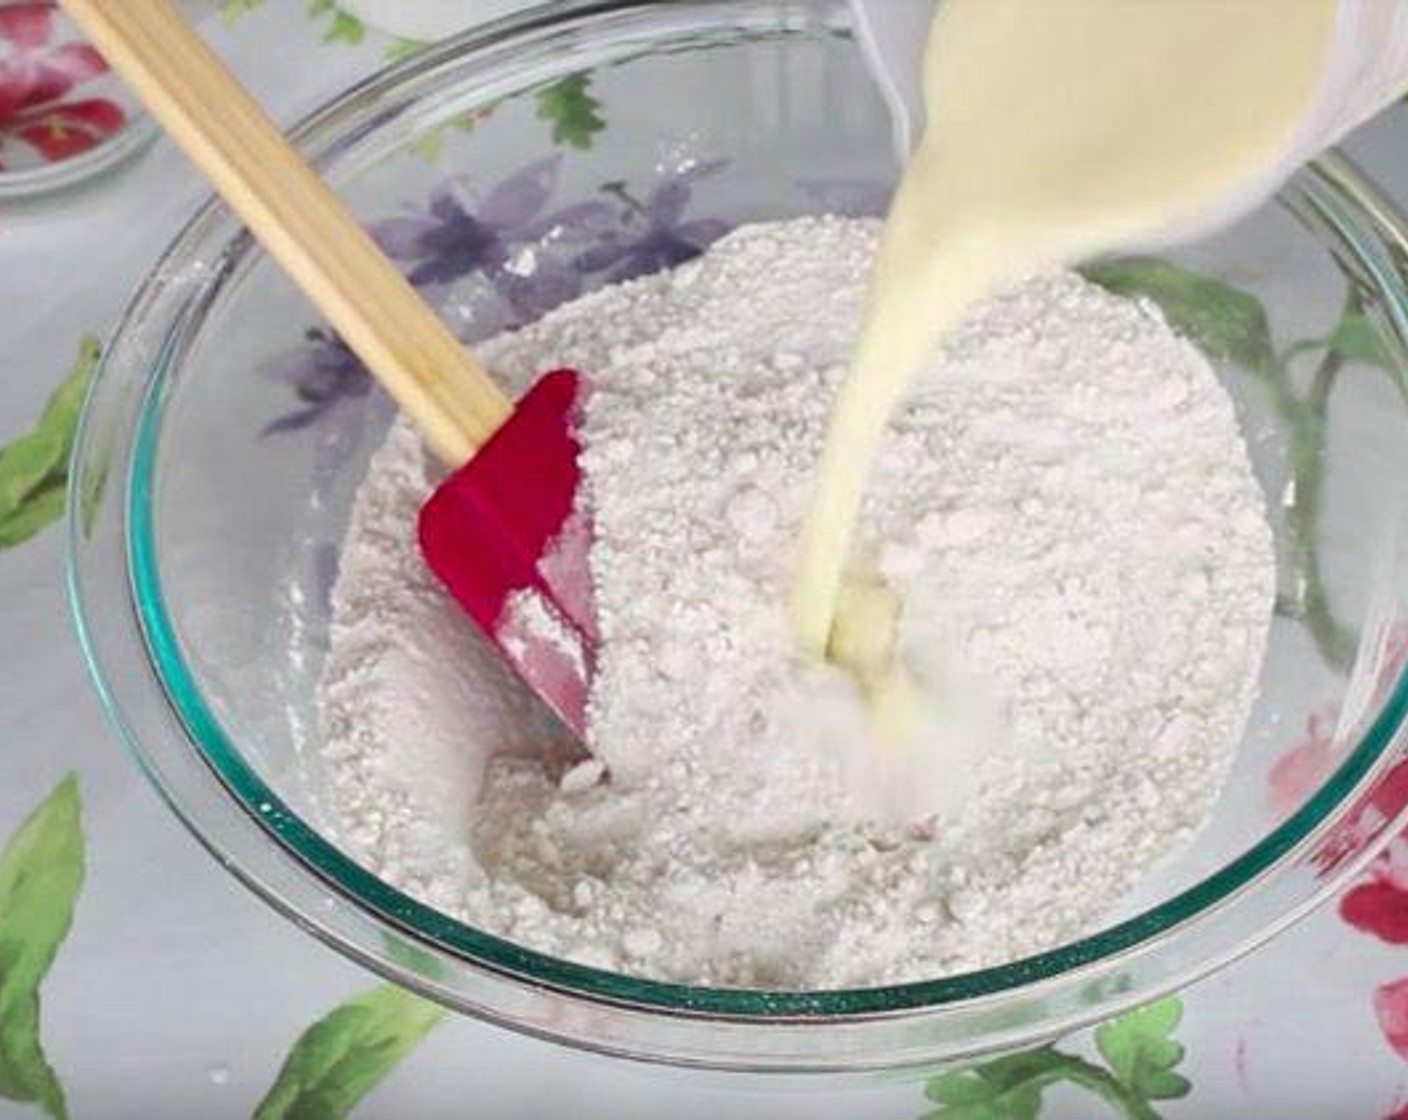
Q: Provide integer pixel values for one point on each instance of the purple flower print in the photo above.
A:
(503, 236)
(334, 394)
(530, 260)
(321, 375)
(654, 235)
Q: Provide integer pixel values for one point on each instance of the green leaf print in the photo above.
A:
(1137, 1046)
(431, 144)
(1005, 1089)
(25, 464)
(43, 508)
(343, 1056)
(232, 11)
(1231, 325)
(1226, 323)
(41, 871)
(575, 114)
(1142, 1053)
(1355, 339)
(342, 27)
(34, 467)
(398, 49)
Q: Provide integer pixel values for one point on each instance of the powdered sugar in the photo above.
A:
(1066, 511)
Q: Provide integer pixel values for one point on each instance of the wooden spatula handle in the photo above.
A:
(301, 223)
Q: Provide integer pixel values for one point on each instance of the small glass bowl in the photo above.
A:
(65, 118)
(225, 437)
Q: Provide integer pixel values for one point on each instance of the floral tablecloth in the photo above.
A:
(138, 980)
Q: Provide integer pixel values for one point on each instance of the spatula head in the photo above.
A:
(508, 537)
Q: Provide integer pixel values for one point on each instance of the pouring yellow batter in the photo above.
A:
(1058, 129)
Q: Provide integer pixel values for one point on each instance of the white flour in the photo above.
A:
(1067, 510)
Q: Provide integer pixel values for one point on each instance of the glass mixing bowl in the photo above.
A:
(226, 434)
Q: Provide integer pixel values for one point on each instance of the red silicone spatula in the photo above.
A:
(503, 532)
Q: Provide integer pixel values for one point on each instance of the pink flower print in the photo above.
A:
(1313, 759)
(1395, 656)
(1303, 769)
(66, 130)
(36, 74)
(1380, 906)
(1383, 801)
(33, 71)
(28, 25)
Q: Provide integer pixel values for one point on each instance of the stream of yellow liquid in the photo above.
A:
(1058, 130)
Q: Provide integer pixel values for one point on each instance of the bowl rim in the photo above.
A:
(1339, 195)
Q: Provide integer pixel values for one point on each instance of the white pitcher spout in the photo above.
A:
(1366, 69)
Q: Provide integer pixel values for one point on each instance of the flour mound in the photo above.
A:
(1066, 508)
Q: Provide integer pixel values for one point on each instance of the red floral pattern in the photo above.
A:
(1378, 905)
(1304, 768)
(1323, 746)
(36, 74)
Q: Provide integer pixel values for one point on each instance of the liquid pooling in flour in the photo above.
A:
(1057, 130)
